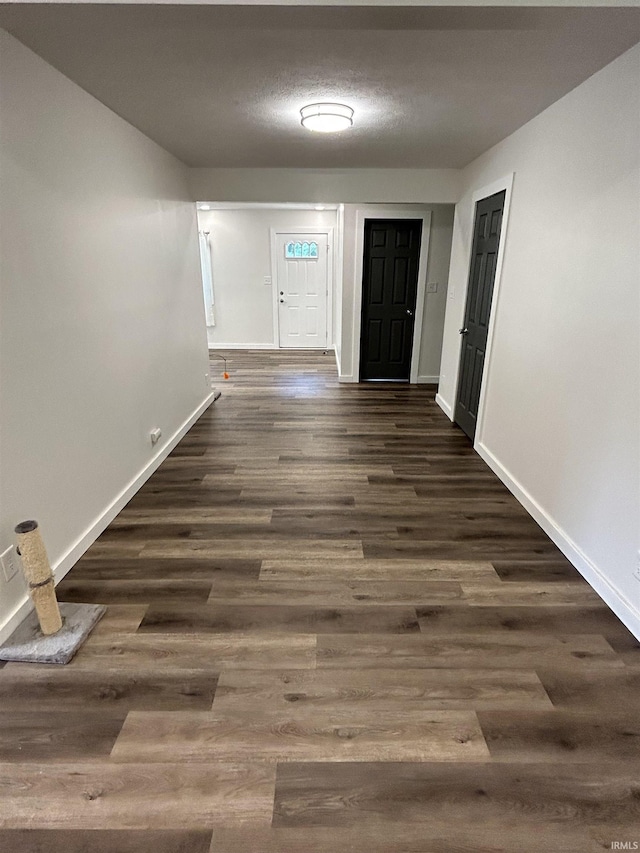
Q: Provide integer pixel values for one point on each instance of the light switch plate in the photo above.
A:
(432, 287)
(267, 280)
(9, 563)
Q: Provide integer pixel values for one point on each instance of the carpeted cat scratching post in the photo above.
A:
(51, 633)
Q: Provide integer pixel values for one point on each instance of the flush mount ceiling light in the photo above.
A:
(326, 118)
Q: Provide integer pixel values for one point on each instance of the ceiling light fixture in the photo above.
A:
(205, 207)
(326, 118)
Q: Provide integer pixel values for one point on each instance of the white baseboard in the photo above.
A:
(612, 597)
(423, 379)
(341, 376)
(446, 408)
(86, 539)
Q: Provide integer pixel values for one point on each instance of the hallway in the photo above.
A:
(330, 628)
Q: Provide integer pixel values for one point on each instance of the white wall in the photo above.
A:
(329, 186)
(435, 303)
(102, 333)
(561, 420)
(241, 258)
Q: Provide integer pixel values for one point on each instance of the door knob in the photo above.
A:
(409, 312)
(464, 331)
(282, 300)
(282, 293)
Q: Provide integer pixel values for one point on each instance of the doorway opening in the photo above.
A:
(268, 272)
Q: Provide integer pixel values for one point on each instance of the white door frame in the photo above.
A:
(505, 183)
(378, 212)
(305, 229)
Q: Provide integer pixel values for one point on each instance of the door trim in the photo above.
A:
(378, 212)
(305, 229)
(501, 184)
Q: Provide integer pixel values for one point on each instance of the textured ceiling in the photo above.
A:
(222, 85)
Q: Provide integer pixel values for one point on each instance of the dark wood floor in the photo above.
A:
(330, 628)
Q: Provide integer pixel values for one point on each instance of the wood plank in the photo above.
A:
(296, 619)
(137, 533)
(556, 620)
(287, 498)
(337, 735)
(399, 515)
(197, 515)
(538, 571)
(561, 736)
(57, 735)
(548, 595)
(120, 619)
(164, 568)
(522, 650)
(135, 796)
(469, 528)
(202, 652)
(452, 549)
(263, 549)
(625, 644)
(384, 690)
(486, 799)
(126, 591)
(336, 592)
(293, 475)
(240, 533)
(411, 838)
(104, 841)
(602, 687)
(381, 570)
(27, 686)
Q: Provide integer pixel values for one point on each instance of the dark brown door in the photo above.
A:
(389, 289)
(482, 274)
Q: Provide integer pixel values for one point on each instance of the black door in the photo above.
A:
(389, 288)
(482, 274)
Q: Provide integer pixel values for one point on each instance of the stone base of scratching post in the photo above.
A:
(29, 644)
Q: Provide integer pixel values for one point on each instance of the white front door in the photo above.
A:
(302, 286)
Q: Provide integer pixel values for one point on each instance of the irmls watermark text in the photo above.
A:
(625, 845)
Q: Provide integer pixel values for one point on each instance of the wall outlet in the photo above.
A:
(155, 435)
(452, 293)
(9, 563)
